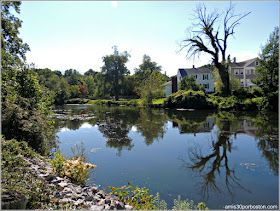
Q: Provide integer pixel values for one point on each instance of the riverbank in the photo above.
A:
(240, 100)
(29, 182)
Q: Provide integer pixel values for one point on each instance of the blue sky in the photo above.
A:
(77, 34)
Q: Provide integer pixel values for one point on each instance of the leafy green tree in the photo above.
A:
(90, 72)
(90, 84)
(25, 105)
(114, 70)
(75, 91)
(13, 49)
(147, 64)
(268, 64)
(188, 83)
(151, 88)
(63, 92)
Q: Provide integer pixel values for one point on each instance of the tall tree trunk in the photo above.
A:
(223, 71)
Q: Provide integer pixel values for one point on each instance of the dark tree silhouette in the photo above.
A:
(206, 36)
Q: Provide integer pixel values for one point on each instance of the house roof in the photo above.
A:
(244, 63)
(193, 71)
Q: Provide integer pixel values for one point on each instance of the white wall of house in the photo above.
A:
(206, 80)
(168, 90)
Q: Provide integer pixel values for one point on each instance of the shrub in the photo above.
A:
(140, 199)
(17, 176)
(256, 92)
(75, 168)
(188, 99)
(243, 93)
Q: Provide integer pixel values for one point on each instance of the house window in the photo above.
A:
(241, 72)
(207, 77)
(206, 86)
(248, 72)
(253, 71)
(202, 77)
(236, 72)
(195, 76)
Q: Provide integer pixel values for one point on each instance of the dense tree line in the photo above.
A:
(112, 81)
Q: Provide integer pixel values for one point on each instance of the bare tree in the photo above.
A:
(205, 37)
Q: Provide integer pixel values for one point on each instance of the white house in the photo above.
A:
(168, 88)
(245, 71)
(202, 76)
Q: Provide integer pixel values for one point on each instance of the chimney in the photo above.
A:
(234, 59)
(193, 67)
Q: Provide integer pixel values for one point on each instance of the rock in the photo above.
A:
(95, 207)
(57, 195)
(90, 198)
(94, 189)
(101, 202)
(65, 200)
(120, 205)
(107, 201)
(50, 177)
(67, 190)
(63, 184)
(101, 194)
(107, 207)
(78, 202)
(128, 207)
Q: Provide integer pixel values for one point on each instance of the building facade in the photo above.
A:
(245, 71)
(202, 76)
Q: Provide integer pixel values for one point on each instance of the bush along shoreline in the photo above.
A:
(239, 100)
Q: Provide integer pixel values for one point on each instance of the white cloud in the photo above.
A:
(114, 4)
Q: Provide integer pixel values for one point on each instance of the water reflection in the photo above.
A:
(215, 162)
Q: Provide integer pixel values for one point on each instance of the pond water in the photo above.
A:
(219, 158)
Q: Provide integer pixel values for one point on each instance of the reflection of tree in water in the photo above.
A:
(116, 133)
(151, 124)
(268, 142)
(73, 119)
(115, 126)
(190, 121)
(209, 166)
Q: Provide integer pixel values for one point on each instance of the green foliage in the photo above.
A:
(25, 109)
(16, 174)
(140, 199)
(242, 93)
(58, 162)
(188, 99)
(186, 205)
(114, 70)
(160, 204)
(13, 49)
(234, 82)
(188, 83)
(75, 168)
(137, 197)
(267, 69)
(151, 88)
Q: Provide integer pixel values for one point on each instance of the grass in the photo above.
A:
(126, 102)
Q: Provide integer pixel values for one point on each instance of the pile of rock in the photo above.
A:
(86, 197)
